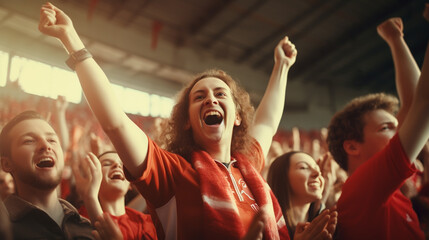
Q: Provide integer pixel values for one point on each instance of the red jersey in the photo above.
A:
(371, 205)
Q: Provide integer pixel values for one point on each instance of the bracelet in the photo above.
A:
(77, 56)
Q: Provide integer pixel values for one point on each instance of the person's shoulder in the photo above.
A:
(131, 211)
(70, 210)
(134, 214)
(18, 207)
(66, 205)
(255, 155)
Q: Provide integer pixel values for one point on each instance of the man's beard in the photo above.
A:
(47, 183)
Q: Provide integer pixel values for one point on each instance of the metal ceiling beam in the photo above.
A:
(200, 23)
(381, 77)
(136, 12)
(319, 17)
(414, 38)
(235, 22)
(209, 16)
(280, 31)
(333, 51)
(116, 7)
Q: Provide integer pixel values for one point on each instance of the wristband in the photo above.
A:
(77, 56)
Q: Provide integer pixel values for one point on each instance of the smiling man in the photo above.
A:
(31, 152)
(379, 150)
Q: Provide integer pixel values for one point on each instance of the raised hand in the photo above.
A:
(328, 172)
(87, 173)
(296, 139)
(96, 144)
(285, 52)
(61, 104)
(53, 21)
(391, 29)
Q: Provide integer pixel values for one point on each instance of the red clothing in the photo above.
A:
(170, 181)
(371, 205)
(135, 225)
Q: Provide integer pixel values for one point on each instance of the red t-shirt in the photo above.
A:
(371, 205)
(171, 188)
(135, 225)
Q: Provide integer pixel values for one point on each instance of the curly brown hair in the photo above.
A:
(178, 139)
(348, 123)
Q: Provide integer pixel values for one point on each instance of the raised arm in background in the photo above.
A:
(59, 115)
(129, 140)
(414, 131)
(407, 71)
(270, 110)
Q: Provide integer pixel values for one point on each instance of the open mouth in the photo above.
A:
(45, 163)
(117, 176)
(314, 184)
(213, 118)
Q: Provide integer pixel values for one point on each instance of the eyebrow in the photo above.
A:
(202, 91)
(308, 164)
(32, 134)
(387, 122)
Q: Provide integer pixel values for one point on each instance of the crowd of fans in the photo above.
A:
(213, 170)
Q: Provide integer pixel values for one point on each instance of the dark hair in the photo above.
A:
(179, 140)
(5, 228)
(348, 123)
(106, 152)
(4, 136)
(278, 179)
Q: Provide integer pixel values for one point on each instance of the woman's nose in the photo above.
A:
(211, 100)
(316, 173)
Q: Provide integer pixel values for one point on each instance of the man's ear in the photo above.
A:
(237, 120)
(351, 147)
(6, 164)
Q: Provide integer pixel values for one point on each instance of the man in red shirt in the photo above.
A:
(379, 150)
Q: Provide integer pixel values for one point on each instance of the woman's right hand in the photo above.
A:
(53, 21)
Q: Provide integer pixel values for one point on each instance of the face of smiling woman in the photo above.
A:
(305, 179)
(36, 158)
(212, 113)
(113, 178)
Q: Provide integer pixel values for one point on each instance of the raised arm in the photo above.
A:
(60, 117)
(407, 71)
(129, 140)
(414, 132)
(270, 110)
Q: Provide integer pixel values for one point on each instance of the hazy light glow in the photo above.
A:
(65, 83)
(136, 102)
(166, 107)
(44, 80)
(155, 104)
(4, 58)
